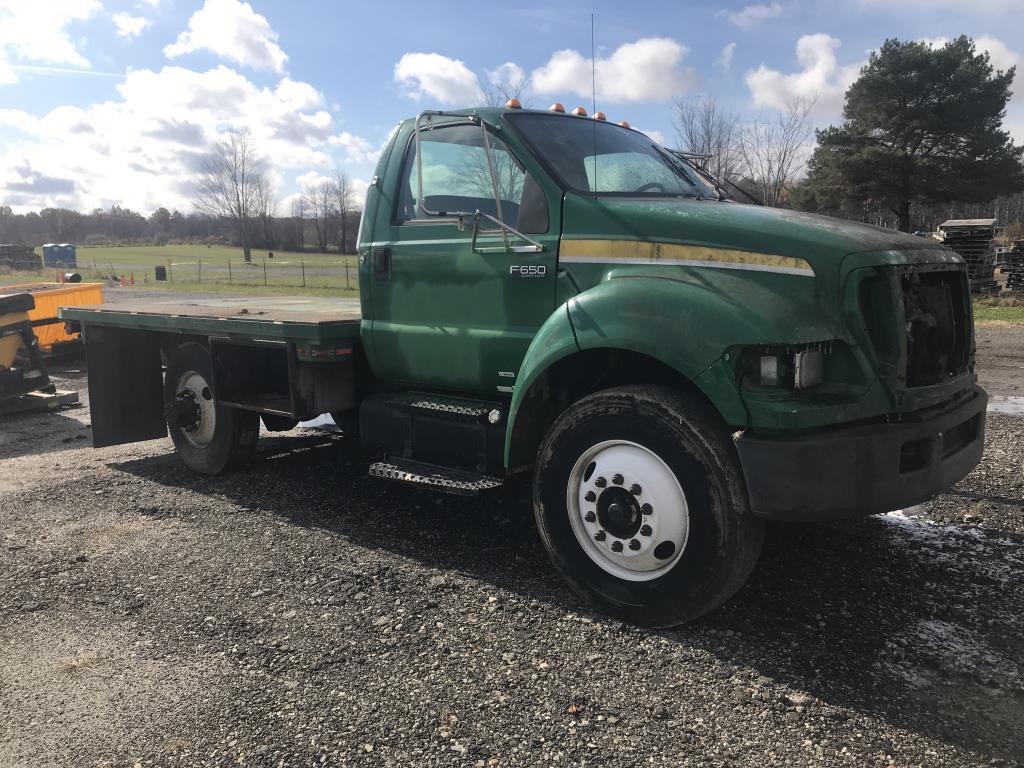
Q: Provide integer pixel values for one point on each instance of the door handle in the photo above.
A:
(382, 263)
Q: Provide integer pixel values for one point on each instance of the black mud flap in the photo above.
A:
(125, 385)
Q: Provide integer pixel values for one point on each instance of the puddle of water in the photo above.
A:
(1012, 404)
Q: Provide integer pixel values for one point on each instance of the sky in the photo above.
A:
(115, 102)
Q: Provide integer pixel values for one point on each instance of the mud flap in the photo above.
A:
(125, 385)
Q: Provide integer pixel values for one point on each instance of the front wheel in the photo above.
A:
(640, 501)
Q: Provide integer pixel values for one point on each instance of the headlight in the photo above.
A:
(800, 368)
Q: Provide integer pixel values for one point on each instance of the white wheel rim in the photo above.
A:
(192, 385)
(628, 512)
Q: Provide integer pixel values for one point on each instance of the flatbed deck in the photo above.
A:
(316, 320)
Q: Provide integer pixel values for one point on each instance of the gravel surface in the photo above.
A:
(298, 613)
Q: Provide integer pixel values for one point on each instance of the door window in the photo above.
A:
(457, 176)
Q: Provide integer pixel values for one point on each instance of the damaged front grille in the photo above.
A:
(933, 344)
(936, 322)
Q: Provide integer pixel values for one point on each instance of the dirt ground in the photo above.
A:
(297, 613)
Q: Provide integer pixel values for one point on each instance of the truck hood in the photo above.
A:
(820, 241)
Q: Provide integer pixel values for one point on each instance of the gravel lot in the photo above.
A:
(298, 613)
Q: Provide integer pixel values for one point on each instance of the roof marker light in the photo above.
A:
(556, 107)
(580, 112)
(624, 124)
(513, 104)
(599, 116)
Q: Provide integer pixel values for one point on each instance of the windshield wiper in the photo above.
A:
(674, 164)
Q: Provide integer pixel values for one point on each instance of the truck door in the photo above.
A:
(446, 315)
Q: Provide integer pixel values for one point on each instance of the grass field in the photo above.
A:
(998, 313)
(218, 269)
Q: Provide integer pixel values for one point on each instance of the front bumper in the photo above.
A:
(864, 470)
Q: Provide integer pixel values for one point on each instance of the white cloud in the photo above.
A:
(820, 78)
(233, 30)
(646, 70)
(357, 149)
(508, 74)
(724, 60)
(38, 32)
(437, 77)
(129, 26)
(752, 15)
(143, 148)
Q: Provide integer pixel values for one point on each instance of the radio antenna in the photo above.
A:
(593, 95)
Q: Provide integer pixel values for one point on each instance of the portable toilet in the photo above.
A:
(59, 255)
(50, 255)
(68, 255)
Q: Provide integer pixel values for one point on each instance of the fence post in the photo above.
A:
(264, 272)
(303, 262)
(170, 271)
(199, 267)
(347, 286)
(229, 271)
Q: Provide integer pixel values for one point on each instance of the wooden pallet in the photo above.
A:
(39, 401)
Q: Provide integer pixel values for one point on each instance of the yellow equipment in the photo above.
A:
(16, 335)
(50, 331)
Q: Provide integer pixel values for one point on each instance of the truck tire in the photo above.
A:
(210, 438)
(640, 501)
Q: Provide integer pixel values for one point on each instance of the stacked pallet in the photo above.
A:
(1015, 267)
(20, 257)
(972, 239)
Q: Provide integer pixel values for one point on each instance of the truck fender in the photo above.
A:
(683, 326)
(554, 341)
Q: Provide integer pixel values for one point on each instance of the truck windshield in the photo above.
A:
(600, 158)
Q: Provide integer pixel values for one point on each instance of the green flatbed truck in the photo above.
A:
(552, 294)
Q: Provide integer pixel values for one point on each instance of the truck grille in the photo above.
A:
(937, 329)
(934, 344)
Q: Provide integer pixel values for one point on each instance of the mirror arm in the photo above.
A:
(505, 230)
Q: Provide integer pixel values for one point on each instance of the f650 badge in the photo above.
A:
(528, 270)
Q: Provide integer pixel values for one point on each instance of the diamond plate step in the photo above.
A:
(469, 411)
(444, 479)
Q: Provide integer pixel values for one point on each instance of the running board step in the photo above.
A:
(444, 479)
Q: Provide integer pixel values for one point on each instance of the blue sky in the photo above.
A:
(115, 101)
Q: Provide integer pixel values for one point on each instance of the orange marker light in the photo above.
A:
(556, 107)
(599, 116)
(624, 124)
(513, 104)
(580, 112)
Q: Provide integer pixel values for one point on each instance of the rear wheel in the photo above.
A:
(210, 438)
(640, 501)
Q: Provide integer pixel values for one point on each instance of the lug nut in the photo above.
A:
(616, 546)
(600, 482)
(634, 545)
(600, 536)
(590, 517)
(646, 530)
(647, 509)
(591, 496)
(618, 479)
(635, 489)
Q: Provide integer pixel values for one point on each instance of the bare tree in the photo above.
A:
(320, 201)
(344, 198)
(774, 152)
(507, 82)
(299, 221)
(230, 177)
(266, 205)
(703, 127)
